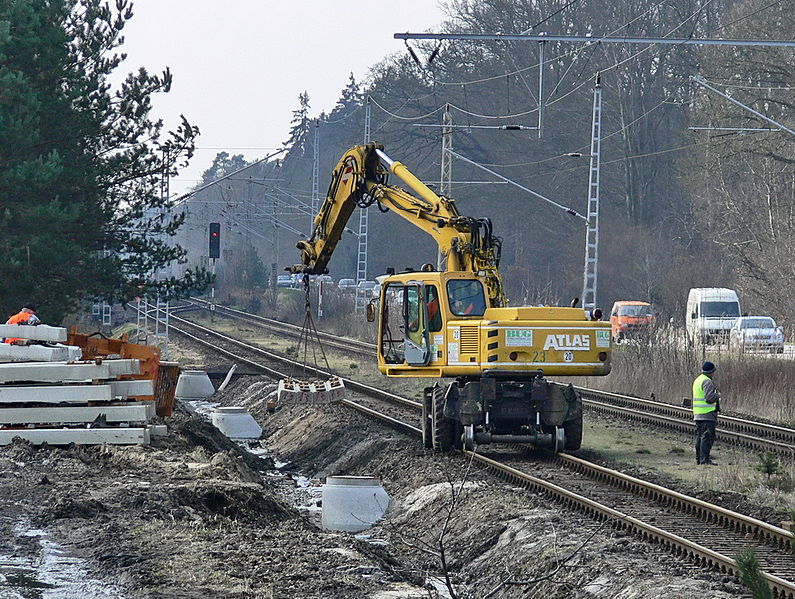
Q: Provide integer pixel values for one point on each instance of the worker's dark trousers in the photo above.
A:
(705, 437)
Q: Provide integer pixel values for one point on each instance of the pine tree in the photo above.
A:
(350, 99)
(81, 165)
(299, 127)
(751, 573)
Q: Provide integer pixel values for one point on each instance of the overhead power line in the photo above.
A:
(515, 37)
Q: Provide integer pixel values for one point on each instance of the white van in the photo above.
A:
(711, 313)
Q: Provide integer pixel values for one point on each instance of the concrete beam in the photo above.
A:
(123, 367)
(80, 436)
(38, 353)
(41, 332)
(132, 388)
(74, 415)
(54, 394)
(56, 372)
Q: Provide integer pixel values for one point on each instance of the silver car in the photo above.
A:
(347, 285)
(756, 333)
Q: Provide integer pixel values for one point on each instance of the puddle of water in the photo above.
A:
(51, 574)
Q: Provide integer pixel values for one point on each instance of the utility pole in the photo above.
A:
(541, 48)
(315, 166)
(361, 253)
(592, 231)
(446, 175)
(274, 246)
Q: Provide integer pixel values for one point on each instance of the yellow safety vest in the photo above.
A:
(700, 405)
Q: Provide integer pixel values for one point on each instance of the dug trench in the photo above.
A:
(194, 515)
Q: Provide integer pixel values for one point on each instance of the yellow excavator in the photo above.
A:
(455, 322)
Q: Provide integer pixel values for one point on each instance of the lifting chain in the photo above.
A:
(309, 334)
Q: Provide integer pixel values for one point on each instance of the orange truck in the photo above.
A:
(628, 318)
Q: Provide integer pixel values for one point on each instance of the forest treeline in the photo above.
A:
(680, 208)
(84, 214)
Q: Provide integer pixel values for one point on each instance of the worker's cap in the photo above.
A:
(30, 307)
(708, 368)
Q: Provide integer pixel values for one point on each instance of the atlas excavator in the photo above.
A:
(455, 322)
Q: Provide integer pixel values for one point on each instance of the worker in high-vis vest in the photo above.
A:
(27, 316)
(706, 405)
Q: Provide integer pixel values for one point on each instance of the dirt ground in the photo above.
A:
(194, 515)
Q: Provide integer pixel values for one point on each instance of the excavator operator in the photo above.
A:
(466, 297)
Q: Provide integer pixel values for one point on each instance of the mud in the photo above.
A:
(190, 516)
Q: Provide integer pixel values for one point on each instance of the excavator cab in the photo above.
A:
(416, 311)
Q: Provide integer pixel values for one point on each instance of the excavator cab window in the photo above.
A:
(434, 314)
(405, 338)
(466, 297)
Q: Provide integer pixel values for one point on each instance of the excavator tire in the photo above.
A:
(572, 428)
(442, 428)
(426, 424)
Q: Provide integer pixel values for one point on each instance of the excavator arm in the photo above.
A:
(360, 179)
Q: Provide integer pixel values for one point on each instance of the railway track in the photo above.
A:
(695, 529)
(746, 433)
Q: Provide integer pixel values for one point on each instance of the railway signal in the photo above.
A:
(215, 241)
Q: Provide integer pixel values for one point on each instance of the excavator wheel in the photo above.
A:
(426, 423)
(442, 428)
(468, 437)
(572, 430)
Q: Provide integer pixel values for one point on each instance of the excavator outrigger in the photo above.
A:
(456, 323)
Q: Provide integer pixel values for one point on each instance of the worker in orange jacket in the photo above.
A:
(27, 316)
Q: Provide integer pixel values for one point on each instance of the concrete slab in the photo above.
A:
(151, 408)
(132, 388)
(123, 367)
(133, 413)
(54, 394)
(158, 430)
(38, 353)
(56, 372)
(80, 436)
(41, 332)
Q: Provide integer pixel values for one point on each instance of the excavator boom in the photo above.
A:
(360, 179)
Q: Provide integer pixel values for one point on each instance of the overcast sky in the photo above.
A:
(239, 66)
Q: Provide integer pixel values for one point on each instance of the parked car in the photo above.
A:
(366, 287)
(347, 285)
(284, 281)
(630, 318)
(756, 333)
(711, 313)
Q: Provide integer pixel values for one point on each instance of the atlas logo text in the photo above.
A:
(568, 342)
